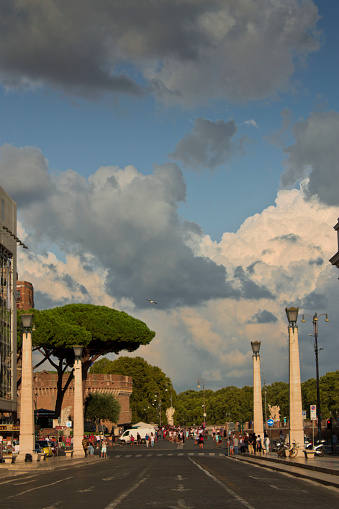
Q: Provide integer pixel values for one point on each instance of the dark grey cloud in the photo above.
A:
(44, 301)
(131, 229)
(315, 154)
(250, 289)
(314, 302)
(251, 268)
(182, 51)
(289, 237)
(208, 145)
(24, 174)
(263, 317)
(318, 261)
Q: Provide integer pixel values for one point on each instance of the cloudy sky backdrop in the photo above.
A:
(185, 152)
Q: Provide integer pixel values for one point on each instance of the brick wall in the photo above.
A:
(45, 392)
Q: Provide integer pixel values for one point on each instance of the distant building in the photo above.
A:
(335, 259)
(24, 295)
(8, 327)
(45, 392)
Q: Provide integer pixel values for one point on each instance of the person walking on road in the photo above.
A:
(201, 440)
(103, 449)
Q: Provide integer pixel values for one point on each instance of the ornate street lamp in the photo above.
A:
(27, 424)
(203, 397)
(315, 318)
(258, 425)
(296, 418)
(78, 413)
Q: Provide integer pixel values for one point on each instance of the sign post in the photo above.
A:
(313, 411)
(270, 423)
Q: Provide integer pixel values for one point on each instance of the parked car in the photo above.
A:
(37, 448)
(46, 447)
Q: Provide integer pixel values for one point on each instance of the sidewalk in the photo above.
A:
(324, 470)
(54, 463)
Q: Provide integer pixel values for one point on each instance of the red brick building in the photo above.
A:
(45, 392)
(24, 295)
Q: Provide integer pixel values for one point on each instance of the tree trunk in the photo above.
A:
(61, 390)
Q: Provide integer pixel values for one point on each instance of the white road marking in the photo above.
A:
(11, 480)
(181, 488)
(125, 494)
(181, 505)
(37, 488)
(226, 488)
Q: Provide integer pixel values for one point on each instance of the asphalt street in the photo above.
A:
(164, 477)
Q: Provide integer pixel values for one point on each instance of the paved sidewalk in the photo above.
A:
(54, 463)
(324, 470)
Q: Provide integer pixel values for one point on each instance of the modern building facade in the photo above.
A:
(335, 259)
(8, 327)
(24, 295)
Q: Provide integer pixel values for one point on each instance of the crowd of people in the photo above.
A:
(236, 443)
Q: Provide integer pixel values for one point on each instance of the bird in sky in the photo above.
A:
(152, 301)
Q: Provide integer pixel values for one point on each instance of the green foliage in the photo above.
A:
(99, 329)
(329, 394)
(102, 407)
(150, 386)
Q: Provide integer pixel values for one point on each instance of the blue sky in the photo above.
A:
(192, 161)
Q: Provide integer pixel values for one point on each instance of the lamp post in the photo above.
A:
(203, 397)
(315, 318)
(159, 404)
(296, 418)
(78, 425)
(258, 425)
(27, 426)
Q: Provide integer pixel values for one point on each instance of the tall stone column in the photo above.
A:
(27, 426)
(296, 419)
(78, 424)
(258, 423)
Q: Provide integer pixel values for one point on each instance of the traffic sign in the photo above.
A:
(313, 409)
(270, 422)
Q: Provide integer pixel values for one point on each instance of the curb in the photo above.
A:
(274, 465)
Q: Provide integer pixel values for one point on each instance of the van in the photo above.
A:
(125, 438)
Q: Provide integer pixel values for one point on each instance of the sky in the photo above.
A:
(185, 152)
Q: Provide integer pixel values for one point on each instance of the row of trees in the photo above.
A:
(227, 404)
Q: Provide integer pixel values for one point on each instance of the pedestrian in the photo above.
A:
(146, 439)
(201, 440)
(132, 440)
(259, 444)
(250, 444)
(236, 445)
(85, 445)
(231, 446)
(152, 440)
(103, 449)
(138, 439)
(267, 444)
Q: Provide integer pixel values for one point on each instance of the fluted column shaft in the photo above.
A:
(296, 419)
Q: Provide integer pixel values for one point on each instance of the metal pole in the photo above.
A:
(315, 323)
